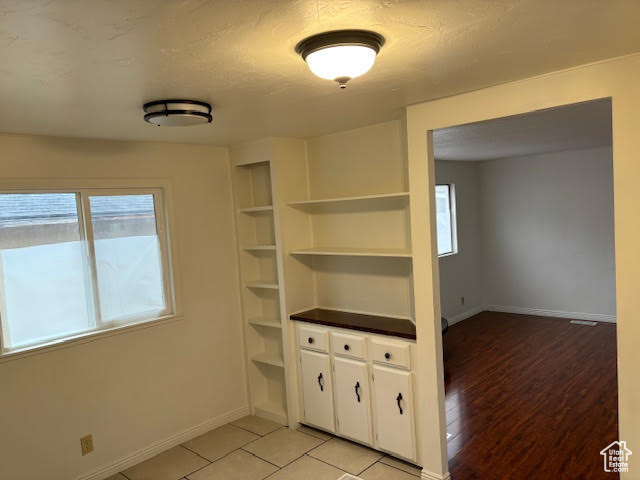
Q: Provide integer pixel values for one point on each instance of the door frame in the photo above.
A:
(613, 79)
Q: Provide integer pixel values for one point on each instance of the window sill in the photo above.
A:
(86, 337)
(450, 254)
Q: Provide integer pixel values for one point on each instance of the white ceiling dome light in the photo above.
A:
(177, 113)
(342, 54)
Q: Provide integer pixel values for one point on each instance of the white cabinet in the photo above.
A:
(359, 386)
(317, 391)
(352, 399)
(393, 411)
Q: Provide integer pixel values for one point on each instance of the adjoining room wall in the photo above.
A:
(461, 274)
(141, 391)
(547, 234)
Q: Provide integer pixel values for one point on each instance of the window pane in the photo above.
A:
(44, 289)
(128, 259)
(443, 219)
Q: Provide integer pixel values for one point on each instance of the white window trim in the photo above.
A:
(167, 238)
(454, 219)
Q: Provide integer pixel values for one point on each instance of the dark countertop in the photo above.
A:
(395, 327)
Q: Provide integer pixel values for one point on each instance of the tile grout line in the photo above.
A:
(256, 433)
(198, 455)
(392, 466)
(211, 462)
(305, 454)
(322, 442)
(327, 463)
(195, 453)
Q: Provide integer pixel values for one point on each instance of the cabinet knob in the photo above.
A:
(346, 347)
(310, 339)
(387, 356)
(320, 382)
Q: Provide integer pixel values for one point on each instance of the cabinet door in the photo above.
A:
(393, 399)
(352, 399)
(317, 392)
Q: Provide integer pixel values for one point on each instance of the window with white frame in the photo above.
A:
(446, 220)
(77, 262)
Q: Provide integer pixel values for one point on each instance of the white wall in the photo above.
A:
(141, 387)
(547, 232)
(461, 274)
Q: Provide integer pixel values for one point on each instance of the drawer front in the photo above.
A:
(348, 345)
(395, 354)
(313, 338)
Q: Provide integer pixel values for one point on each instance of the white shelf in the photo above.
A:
(268, 359)
(265, 208)
(265, 322)
(272, 411)
(321, 201)
(252, 163)
(270, 285)
(253, 248)
(355, 252)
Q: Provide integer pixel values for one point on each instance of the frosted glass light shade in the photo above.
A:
(341, 62)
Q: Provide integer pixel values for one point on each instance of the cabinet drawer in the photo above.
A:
(391, 353)
(313, 338)
(348, 345)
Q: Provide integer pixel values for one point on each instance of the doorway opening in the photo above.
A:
(525, 230)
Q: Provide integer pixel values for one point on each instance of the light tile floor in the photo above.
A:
(253, 448)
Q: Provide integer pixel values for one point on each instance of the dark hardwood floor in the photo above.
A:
(529, 398)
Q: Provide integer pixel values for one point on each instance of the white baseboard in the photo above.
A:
(594, 317)
(426, 475)
(159, 447)
(464, 315)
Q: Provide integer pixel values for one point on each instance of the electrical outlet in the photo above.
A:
(86, 445)
(461, 300)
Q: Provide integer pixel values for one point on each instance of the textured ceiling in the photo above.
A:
(582, 125)
(85, 67)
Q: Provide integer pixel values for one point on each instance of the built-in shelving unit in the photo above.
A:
(260, 271)
(346, 224)
(322, 225)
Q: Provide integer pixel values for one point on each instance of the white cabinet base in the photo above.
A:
(358, 386)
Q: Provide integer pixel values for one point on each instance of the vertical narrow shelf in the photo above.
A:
(258, 257)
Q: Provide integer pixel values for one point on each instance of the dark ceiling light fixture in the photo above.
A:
(177, 113)
(341, 55)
